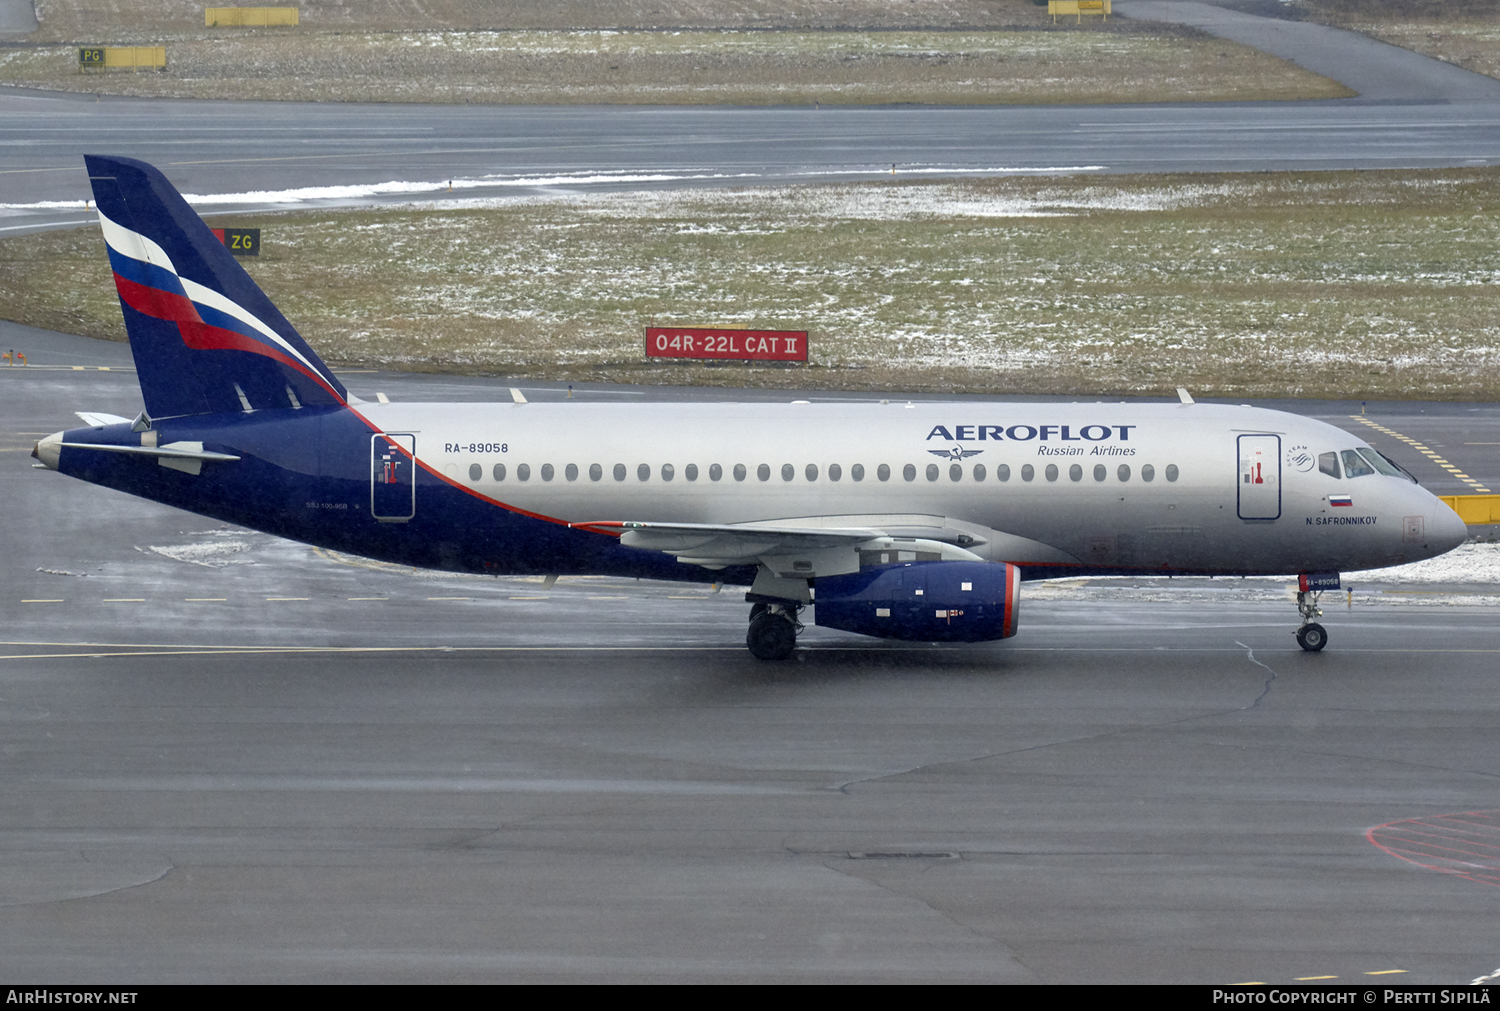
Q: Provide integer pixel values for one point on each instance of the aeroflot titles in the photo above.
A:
(1025, 433)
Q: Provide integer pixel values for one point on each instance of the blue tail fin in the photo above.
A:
(205, 338)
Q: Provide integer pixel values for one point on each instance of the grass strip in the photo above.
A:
(1344, 284)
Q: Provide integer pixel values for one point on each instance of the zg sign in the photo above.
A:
(741, 345)
(241, 241)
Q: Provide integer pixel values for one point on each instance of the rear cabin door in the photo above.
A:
(393, 477)
(1260, 477)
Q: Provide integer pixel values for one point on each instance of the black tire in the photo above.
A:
(771, 637)
(758, 608)
(1312, 637)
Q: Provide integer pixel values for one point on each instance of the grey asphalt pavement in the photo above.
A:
(17, 17)
(229, 757)
(1379, 72)
(259, 151)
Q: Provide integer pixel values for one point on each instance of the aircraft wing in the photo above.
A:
(812, 546)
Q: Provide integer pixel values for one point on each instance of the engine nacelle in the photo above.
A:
(925, 601)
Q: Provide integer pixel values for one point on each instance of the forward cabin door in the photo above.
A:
(1260, 477)
(393, 477)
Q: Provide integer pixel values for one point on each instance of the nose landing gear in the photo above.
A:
(773, 629)
(1311, 636)
(1310, 586)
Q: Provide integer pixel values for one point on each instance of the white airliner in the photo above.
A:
(905, 521)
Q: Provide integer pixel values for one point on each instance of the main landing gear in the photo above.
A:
(773, 629)
(1311, 636)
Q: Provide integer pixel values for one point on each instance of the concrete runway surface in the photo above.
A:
(230, 757)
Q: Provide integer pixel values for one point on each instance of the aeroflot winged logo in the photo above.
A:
(955, 453)
(149, 283)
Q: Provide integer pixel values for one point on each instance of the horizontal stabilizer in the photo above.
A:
(97, 419)
(172, 450)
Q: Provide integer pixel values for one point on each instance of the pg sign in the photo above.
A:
(740, 345)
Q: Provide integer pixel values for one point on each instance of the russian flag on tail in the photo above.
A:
(205, 338)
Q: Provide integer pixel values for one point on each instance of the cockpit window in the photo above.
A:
(1328, 463)
(1355, 465)
(1380, 463)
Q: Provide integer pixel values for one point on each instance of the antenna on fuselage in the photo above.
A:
(1184, 396)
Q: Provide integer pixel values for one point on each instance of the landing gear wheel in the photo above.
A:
(759, 608)
(1312, 637)
(771, 637)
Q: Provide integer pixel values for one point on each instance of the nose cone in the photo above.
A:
(48, 450)
(1447, 531)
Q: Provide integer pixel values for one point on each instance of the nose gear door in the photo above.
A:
(1260, 477)
(393, 477)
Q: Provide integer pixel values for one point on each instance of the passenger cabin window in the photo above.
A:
(763, 472)
(475, 472)
(619, 472)
(499, 472)
(1123, 472)
(547, 472)
(909, 472)
(595, 472)
(883, 472)
(812, 472)
(523, 472)
(1075, 473)
(932, 472)
(788, 472)
(857, 472)
(834, 471)
(1051, 472)
(690, 472)
(571, 473)
(739, 472)
(1171, 472)
(1100, 472)
(1355, 465)
(715, 472)
(668, 472)
(1328, 463)
(643, 472)
(1148, 473)
(979, 472)
(1003, 472)
(1027, 472)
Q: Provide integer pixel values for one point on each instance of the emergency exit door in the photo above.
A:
(393, 477)
(1260, 477)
